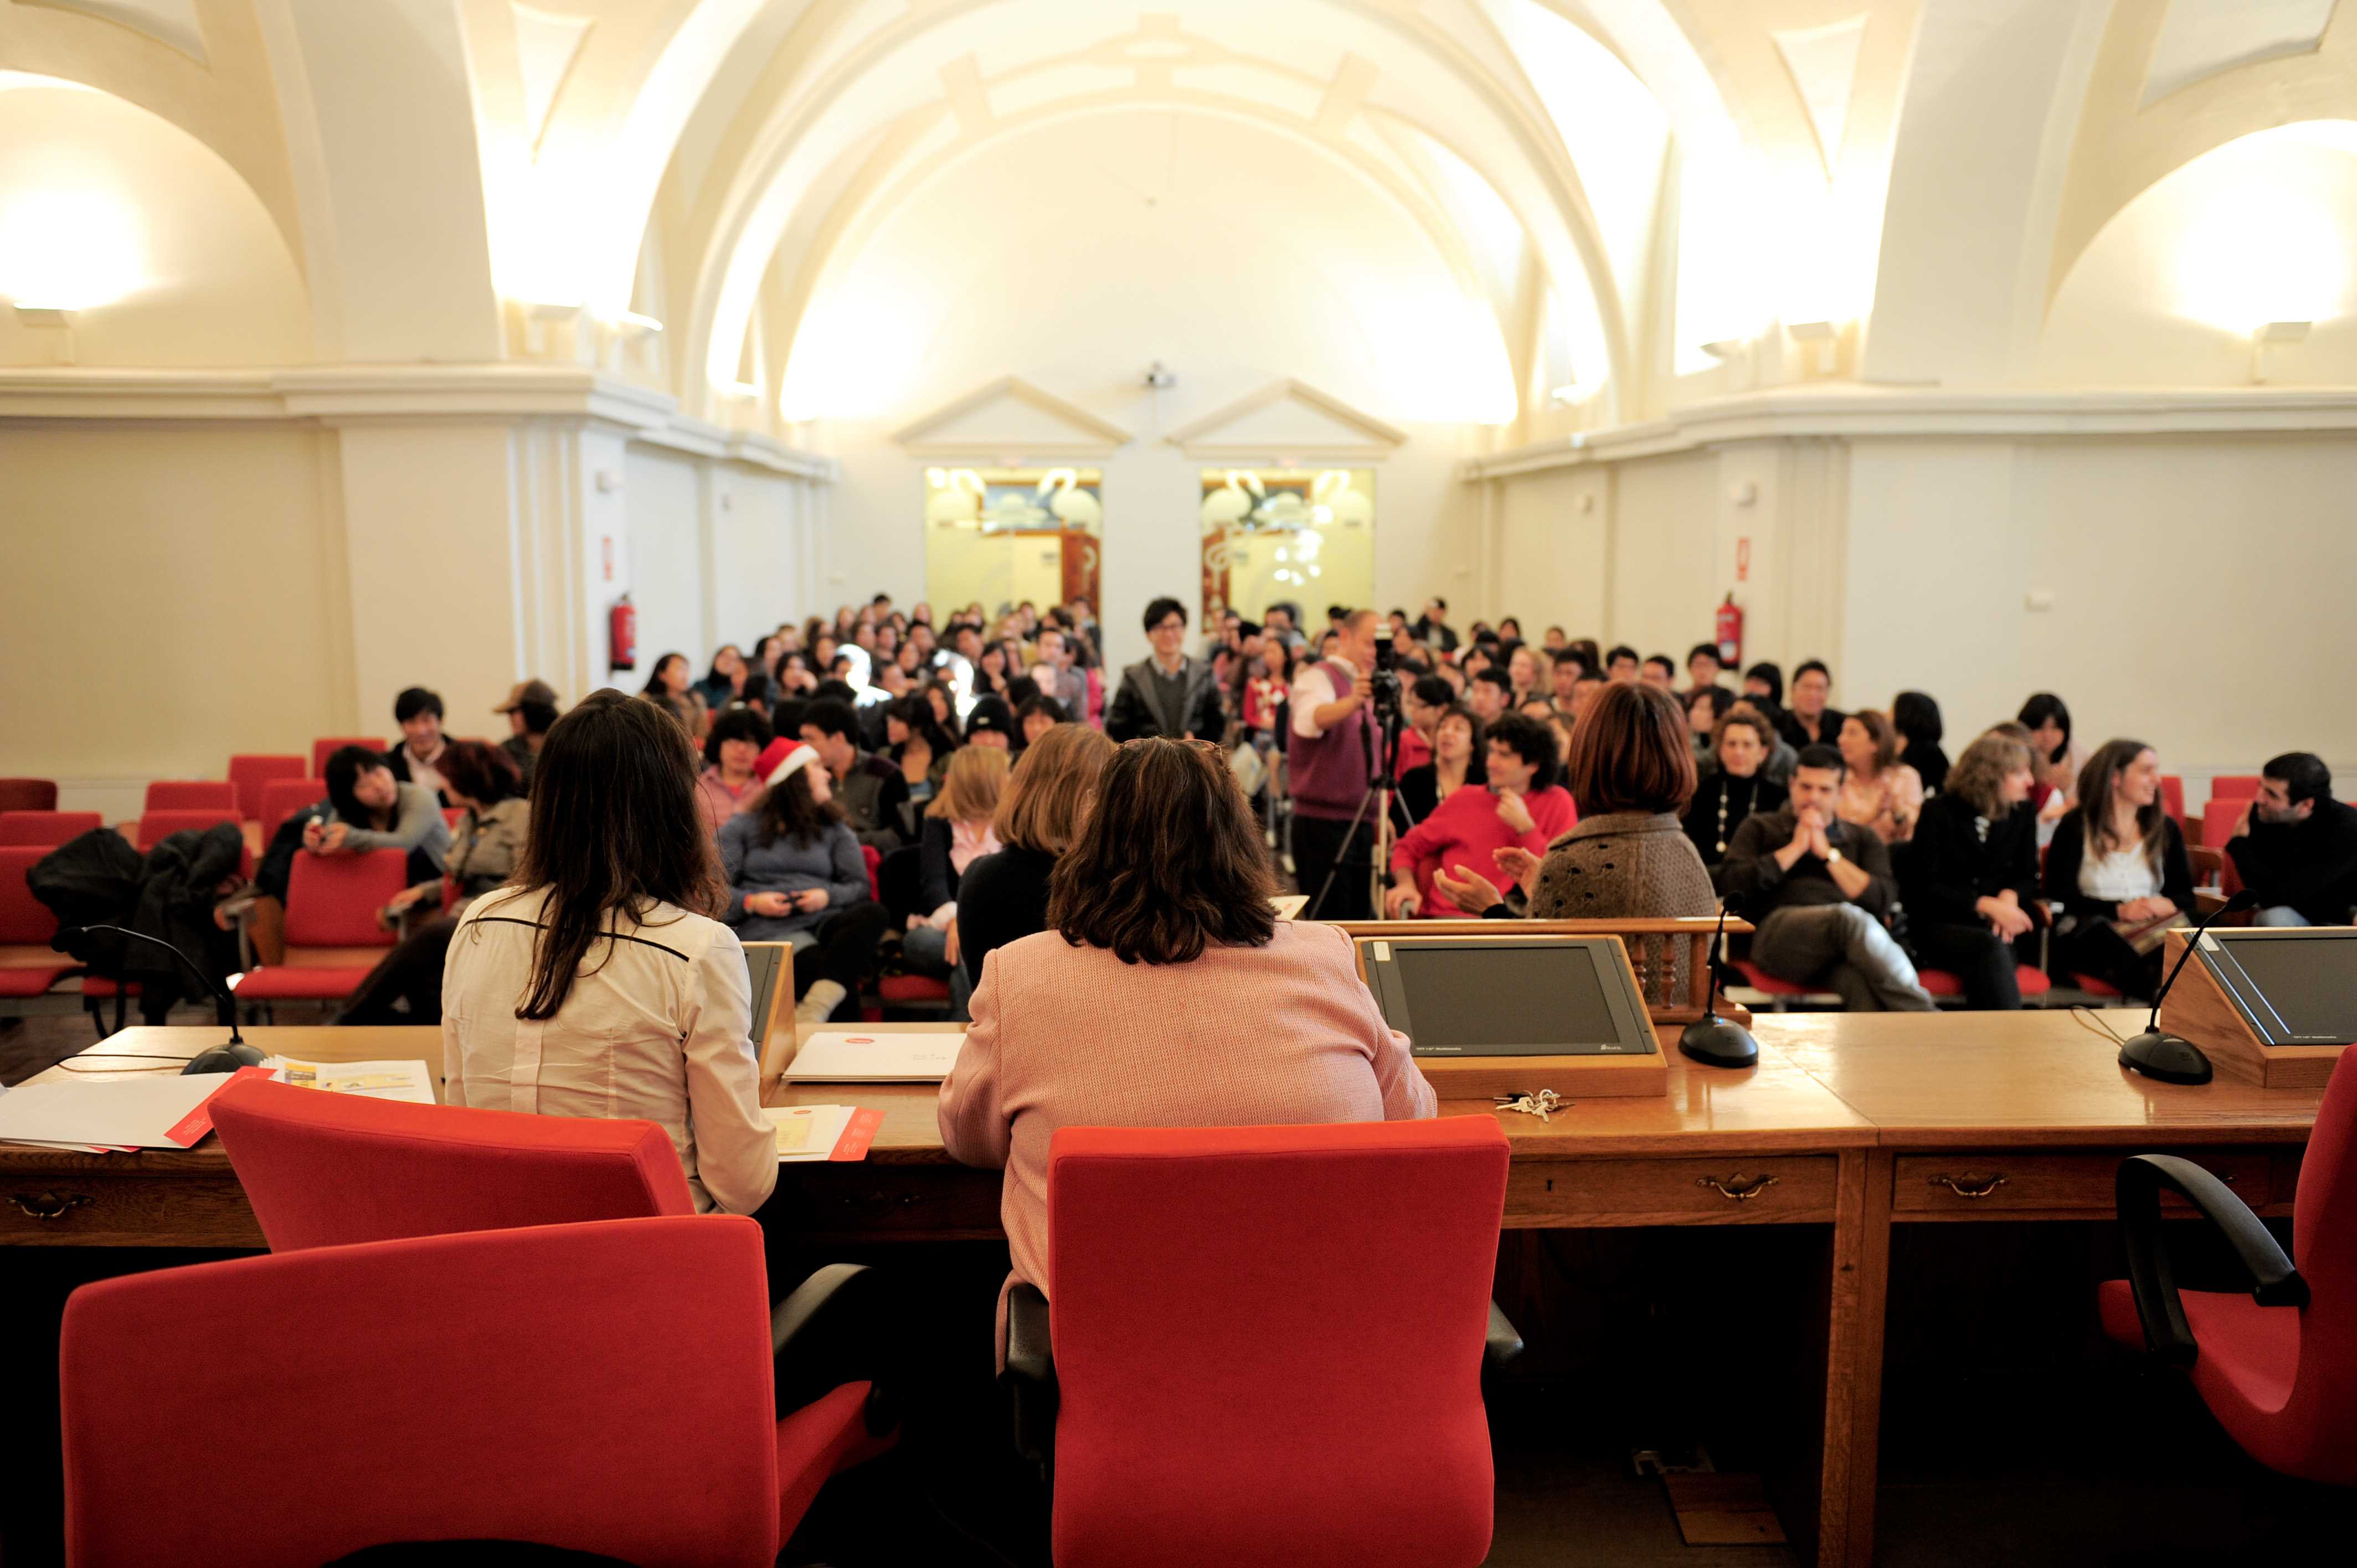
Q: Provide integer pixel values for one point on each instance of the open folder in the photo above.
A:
(106, 1111)
(914, 1055)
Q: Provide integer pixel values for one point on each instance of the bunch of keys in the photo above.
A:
(1541, 1104)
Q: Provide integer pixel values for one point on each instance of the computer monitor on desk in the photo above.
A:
(1509, 995)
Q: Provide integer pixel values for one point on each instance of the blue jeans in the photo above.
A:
(926, 950)
(2279, 915)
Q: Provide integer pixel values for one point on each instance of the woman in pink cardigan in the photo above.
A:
(1165, 993)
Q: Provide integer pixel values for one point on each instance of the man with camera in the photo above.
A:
(1331, 764)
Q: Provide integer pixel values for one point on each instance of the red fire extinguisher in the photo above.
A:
(1730, 632)
(623, 635)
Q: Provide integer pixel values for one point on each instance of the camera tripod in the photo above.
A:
(1383, 790)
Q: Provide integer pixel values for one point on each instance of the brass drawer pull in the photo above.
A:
(1968, 1185)
(1738, 1187)
(47, 1205)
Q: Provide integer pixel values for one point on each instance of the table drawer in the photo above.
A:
(1996, 1183)
(133, 1210)
(1729, 1191)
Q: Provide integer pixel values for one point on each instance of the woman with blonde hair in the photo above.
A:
(1002, 897)
(1971, 878)
(958, 830)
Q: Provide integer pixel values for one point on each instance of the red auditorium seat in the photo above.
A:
(28, 965)
(1313, 1305)
(582, 1430)
(2277, 1364)
(323, 748)
(2234, 787)
(191, 795)
(251, 771)
(281, 797)
(2029, 977)
(2172, 799)
(1767, 984)
(49, 829)
(29, 795)
(331, 905)
(155, 827)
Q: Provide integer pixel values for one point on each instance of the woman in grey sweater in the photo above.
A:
(796, 874)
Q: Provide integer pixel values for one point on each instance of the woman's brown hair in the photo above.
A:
(1629, 753)
(975, 783)
(1170, 861)
(615, 830)
(1049, 793)
(1877, 725)
(787, 810)
(1983, 768)
(481, 772)
(2097, 780)
(1750, 721)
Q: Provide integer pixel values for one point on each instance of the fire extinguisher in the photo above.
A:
(623, 635)
(1730, 632)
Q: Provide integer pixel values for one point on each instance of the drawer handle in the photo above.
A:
(1968, 1185)
(1738, 1187)
(47, 1205)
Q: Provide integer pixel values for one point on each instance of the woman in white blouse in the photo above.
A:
(598, 984)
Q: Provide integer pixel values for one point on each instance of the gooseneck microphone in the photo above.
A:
(2156, 1053)
(1712, 1040)
(226, 1058)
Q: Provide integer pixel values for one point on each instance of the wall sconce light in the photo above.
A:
(2267, 336)
(50, 318)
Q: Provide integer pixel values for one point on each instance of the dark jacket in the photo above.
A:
(871, 796)
(1002, 898)
(1132, 714)
(1788, 725)
(2309, 865)
(91, 880)
(169, 894)
(2069, 850)
(1756, 885)
(1708, 829)
(1957, 857)
(396, 761)
(1930, 763)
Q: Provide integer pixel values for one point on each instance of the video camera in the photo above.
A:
(1386, 682)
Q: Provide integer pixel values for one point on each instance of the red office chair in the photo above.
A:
(29, 795)
(1249, 1326)
(327, 1170)
(47, 829)
(332, 904)
(248, 771)
(604, 1387)
(2277, 1367)
(28, 965)
(326, 746)
(281, 797)
(191, 795)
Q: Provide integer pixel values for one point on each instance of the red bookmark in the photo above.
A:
(190, 1129)
(858, 1135)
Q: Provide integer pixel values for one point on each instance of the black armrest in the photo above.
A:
(832, 1330)
(1030, 1375)
(2275, 1282)
(1505, 1341)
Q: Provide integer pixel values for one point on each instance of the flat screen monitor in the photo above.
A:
(2298, 987)
(1514, 996)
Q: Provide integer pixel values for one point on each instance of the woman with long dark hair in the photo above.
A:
(369, 808)
(671, 686)
(2118, 867)
(600, 984)
(795, 875)
(2052, 757)
(1915, 715)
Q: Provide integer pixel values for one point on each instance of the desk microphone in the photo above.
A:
(225, 1057)
(2172, 1058)
(1712, 1040)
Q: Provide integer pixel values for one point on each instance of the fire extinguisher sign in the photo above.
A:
(1742, 560)
(606, 549)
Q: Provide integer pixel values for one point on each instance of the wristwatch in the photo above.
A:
(1833, 858)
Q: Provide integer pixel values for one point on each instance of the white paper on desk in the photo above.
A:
(371, 1081)
(915, 1055)
(132, 1110)
(808, 1132)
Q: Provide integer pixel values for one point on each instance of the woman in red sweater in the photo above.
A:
(1524, 808)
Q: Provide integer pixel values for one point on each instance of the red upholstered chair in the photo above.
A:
(1943, 987)
(28, 965)
(191, 795)
(248, 771)
(155, 826)
(322, 748)
(2172, 799)
(326, 1170)
(331, 905)
(47, 829)
(2233, 787)
(603, 1387)
(29, 795)
(1259, 1334)
(2278, 1367)
(281, 797)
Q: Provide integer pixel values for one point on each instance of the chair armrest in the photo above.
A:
(1030, 1375)
(2275, 1282)
(833, 1329)
(1504, 1343)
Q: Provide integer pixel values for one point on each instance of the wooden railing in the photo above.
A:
(1671, 957)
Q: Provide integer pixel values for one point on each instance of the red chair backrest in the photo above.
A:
(332, 899)
(250, 771)
(1250, 1322)
(155, 827)
(601, 1388)
(2324, 1246)
(29, 795)
(47, 828)
(2234, 787)
(327, 1170)
(2217, 823)
(874, 860)
(24, 920)
(327, 745)
(281, 797)
(2173, 797)
(190, 795)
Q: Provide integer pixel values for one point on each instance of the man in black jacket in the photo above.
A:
(2296, 846)
(1170, 693)
(1815, 889)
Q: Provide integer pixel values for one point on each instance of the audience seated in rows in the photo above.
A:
(1002, 898)
(795, 875)
(1735, 786)
(959, 830)
(1523, 806)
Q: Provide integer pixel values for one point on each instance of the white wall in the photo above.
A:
(668, 583)
(1552, 561)
(1664, 538)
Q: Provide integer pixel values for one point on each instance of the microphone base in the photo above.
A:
(223, 1058)
(1717, 1042)
(2165, 1057)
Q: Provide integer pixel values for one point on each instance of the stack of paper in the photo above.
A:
(105, 1112)
(913, 1056)
(823, 1131)
(375, 1081)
